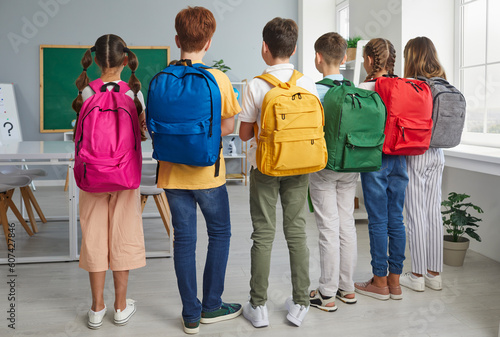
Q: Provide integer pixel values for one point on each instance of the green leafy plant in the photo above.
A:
(220, 65)
(456, 218)
(352, 42)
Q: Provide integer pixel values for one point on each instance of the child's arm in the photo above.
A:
(246, 131)
(142, 126)
(227, 126)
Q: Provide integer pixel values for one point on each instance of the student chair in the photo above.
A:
(7, 185)
(26, 191)
(148, 188)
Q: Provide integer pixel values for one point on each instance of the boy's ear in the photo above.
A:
(319, 58)
(294, 51)
(208, 45)
(265, 48)
(344, 60)
(177, 42)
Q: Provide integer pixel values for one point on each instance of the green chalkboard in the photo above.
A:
(59, 68)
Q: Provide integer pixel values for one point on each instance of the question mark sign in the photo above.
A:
(11, 127)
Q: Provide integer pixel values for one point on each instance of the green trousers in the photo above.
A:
(264, 192)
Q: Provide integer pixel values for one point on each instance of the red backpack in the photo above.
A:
(408, 129)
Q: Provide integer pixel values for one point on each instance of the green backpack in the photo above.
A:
(354, 127)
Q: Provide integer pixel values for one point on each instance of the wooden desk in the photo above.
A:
(57, 153)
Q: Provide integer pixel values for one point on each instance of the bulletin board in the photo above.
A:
(60, 66)
(10, 129)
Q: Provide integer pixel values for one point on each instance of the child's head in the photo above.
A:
(379, 56)
(421, 59)
(195, 27)
(111, 55)
(330, 49)
(280, 36)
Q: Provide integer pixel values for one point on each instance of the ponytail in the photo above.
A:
(133, 81)
(81, 82)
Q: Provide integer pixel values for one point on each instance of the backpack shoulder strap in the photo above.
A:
(335, 83)
(271, 79)
(124, 87)
(96, 85)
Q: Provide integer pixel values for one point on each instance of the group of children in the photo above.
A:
(113, 239)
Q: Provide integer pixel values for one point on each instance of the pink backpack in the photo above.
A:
(108, 154)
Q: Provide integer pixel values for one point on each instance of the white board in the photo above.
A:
(10, 129)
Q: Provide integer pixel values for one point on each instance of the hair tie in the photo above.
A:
(126, 50)
(84, 69)
(79, 92)
(92, 49)
(133, 71)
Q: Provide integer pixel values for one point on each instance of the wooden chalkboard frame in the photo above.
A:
(83, 48)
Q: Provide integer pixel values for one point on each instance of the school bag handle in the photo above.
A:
(271, 79)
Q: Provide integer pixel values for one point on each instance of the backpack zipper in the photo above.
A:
(84, 170)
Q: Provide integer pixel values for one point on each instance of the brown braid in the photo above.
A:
(383, 54)
(81, 82)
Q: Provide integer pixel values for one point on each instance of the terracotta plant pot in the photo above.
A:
(351, 54)
(454, 252)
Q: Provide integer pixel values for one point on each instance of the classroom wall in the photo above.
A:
(24, 25)
(382, 18)
(483, 189)
(437, 24)
(316, 17)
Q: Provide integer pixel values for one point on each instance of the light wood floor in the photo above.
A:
(52, 298)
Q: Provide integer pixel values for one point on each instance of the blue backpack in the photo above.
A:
(183, 115)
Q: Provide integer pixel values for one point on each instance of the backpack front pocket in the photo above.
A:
(302, 151)
(303, 115)
(412, 136)
(362, 153)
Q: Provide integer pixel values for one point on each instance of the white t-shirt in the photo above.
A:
(88, 92)
(254, 96)
(367, 86)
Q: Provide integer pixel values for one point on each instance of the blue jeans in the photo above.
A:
(384, 194)
(214, 205)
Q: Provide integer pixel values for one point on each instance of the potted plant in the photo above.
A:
(220, 65)
(352, 44)
(457, 222)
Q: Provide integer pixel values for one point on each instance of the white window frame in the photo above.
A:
(341, 5)
(472, 138)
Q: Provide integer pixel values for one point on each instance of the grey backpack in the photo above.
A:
(448, 113)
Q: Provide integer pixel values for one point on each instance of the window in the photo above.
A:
(343, 18)
(479, 69)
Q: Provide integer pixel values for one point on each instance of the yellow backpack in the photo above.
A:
(291, 140)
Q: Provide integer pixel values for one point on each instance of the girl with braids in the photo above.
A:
(111, 222)
(423, 194)
(384, 194)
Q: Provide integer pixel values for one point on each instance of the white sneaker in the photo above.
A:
(258, 316)
(122, 317)
(435, 283)
(409, 280)
(95, 318)
(296, 312)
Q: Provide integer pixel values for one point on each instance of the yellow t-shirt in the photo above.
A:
(187, 177)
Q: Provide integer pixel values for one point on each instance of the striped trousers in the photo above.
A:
(423, 211)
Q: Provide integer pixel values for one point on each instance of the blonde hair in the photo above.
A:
(383, 54)
(421, 59)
